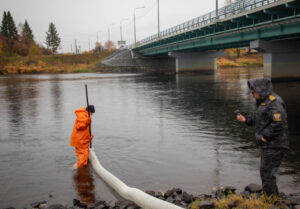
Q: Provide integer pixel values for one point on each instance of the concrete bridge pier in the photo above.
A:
(281, 58)
(196, 61)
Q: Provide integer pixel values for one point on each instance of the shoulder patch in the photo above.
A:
(272, 98)
(277, 117)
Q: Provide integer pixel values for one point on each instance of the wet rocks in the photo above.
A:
(173, 192)
(206, 205)
(56, 206)
(253, 188)
(41, 204)
(187, 198)
(184, 200)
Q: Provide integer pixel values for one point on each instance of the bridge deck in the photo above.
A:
(236, 25)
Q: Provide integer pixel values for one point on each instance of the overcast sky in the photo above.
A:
(82, 20)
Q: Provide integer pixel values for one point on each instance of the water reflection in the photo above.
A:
(153, 132)
(56, 93)
(84, 184)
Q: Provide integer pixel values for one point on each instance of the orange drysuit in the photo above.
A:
(81, 138)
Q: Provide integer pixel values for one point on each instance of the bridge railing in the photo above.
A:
(227, 11)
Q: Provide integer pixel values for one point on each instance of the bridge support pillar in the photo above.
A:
(196, 61)
(281, 58)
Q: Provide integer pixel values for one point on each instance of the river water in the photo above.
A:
(152, 132)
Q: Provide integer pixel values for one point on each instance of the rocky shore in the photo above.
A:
(220, 197)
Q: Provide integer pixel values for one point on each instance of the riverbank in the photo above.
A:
(60, 63)
(243, 58)
(90, 62)
(220, 198)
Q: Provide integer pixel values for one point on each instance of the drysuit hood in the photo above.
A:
(263, 86)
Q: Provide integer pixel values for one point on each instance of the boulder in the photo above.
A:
(253, 188)
(187, 198)
(79, 204)
(37, 204)
(56, 206)
(152, 193)
(206, 205)
(172, 192)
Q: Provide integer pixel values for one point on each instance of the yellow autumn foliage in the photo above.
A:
(34, 49)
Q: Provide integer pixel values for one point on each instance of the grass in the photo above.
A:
(62, 63)
(240, 202)
(244, 58)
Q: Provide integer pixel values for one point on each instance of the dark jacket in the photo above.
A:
(269, 116)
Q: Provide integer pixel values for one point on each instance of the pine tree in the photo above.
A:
(27, 33)
(4, 26)
(52, 38)
(11, 26)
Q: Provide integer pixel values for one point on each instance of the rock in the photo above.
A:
(229, 190)
(295, 200)
(206, 205)
(173, 191)
(122, 204)
(170, 199)
(245, 194)
(98, 205)
(56, 206)
(187, 198)
(152, 193)
(281, 206)
(204, 196)
(37, 204)
(177, 202)
(50, 195)
(159, 194)
(253, 188)
(79, 204)
(10, 208)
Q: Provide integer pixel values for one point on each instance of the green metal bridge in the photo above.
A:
(232, 26)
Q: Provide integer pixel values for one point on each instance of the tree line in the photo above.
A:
(22, 43)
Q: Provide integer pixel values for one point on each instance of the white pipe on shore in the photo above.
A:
(137, 196)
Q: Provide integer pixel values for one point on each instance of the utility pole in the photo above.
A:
(158, 19)
(217, 10)
(134, 23)
(71, 48)
(76, 47)
(109, 31)
(89, 45)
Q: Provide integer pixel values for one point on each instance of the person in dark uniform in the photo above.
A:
(269, 119)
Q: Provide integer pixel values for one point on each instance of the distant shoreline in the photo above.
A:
(90, 62)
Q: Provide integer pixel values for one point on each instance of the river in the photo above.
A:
(152, 132)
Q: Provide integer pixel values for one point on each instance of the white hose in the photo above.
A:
(137, 196)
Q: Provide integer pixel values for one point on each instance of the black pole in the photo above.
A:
(87, 102)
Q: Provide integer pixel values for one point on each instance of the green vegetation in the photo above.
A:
(240, 58)
(62, 63)
(19, 53)
(52, 38)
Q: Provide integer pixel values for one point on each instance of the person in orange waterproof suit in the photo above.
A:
(81, 136)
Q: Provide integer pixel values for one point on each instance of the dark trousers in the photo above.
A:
(270, 162)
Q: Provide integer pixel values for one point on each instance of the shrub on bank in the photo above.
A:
(51, 63)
